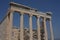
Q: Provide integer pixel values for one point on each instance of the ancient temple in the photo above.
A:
(7, 32)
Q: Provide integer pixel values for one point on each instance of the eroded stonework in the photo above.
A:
(7, 32)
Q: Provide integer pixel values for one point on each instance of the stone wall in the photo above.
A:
(3, 29)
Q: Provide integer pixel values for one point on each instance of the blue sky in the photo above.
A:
(41, 5)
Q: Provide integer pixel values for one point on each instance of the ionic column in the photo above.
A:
(51, 30)
(9, 26)
(7, 29)
(30, 27)
(21, 27)
(45, 29)
(38, 28)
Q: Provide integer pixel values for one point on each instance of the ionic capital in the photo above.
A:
(38, 16)
(30, 15)
(44, 18)
(21, 13)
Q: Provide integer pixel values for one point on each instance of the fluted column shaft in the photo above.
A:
(51, 30)
(45, 29)
(7, 29)
(9, 26)
(30, 27)
(21, 27)
(38, 28)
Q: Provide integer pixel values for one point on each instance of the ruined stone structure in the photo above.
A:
(9, 33)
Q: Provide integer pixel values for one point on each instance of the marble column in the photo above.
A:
(51, 30)
(45, 29)
(9, 26)
(30, 27)
(38, 28)
(21, 26)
